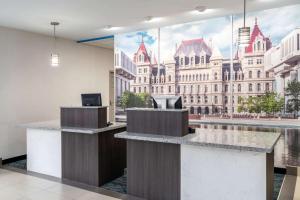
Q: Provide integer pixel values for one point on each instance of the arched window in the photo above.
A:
(196, 77)
(258, 46)
(267, 87)
(258, 74)
(216, 76)
(193, 77)
(192, 60)
(250, 87)
(239, 88)
(200, 77)
(181, 61)
(202, 59)
(140, 58)
(216, 88)
(250, 74)
(225, 99)
(258, 87)
(190, 77)
(207, 77)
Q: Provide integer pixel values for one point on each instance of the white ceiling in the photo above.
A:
(81, 19)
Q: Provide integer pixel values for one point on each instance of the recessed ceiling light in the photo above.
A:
(200, 9)
(152, 19)
(111, 28)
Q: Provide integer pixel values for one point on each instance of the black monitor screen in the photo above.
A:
(167, 102)
(91, 99)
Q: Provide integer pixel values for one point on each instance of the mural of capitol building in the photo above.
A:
(200, 74)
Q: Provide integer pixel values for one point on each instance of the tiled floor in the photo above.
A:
(17, 186)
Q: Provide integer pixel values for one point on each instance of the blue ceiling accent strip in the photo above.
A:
(95, 39)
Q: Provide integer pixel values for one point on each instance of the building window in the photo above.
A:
(199, 99)
(145, 70)
(205, 99)
(207, 77)
(184, 89)
(250, 74)
(190, 77)
(250, 62)
(267, 75)
(145, 89)
(140, 70)
(140, 79)
(198, 89)
(216, 100)
(258, 74)
(191, 89)
(239, 87)
(178, 89)
(250, 87)
(202, 59)
(226, 88)
(205, 88)
(134, 89)
(200, 77)
(140, 90)
(259, 61)
(216, 76)
(258, 45)
(145, 79)
(267, 87)
(152, 89)
(216, 88)
(140, 58)
(162, 89)
(258, 87)
(170, 79)
(193, 77)
(192, 99)
(156, 90)
(170, 89)
(196, 77)
(181, 61)
(192, 60)
(225, 99)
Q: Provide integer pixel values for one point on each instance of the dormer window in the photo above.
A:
(181, 61)
(258, 46)
(192, 60)
(202, 59)
(140, 58)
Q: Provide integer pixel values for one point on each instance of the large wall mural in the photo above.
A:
(193, 60)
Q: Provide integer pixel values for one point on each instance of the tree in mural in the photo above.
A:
(269, 103)
(293, 91)
(130, 99)
(272, 103)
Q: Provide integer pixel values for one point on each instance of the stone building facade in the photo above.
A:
(201, 76)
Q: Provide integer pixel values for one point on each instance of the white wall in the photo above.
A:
(31, 90)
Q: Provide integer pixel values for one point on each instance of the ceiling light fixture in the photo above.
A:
(111, 28)
(150, 19)
(200, 9)
(54, 55)
(244, 32)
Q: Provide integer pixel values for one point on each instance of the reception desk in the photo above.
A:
(216, 164)
(78, 148)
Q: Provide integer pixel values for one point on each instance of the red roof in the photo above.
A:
(142, 49)
(195, 45)
(255, 33)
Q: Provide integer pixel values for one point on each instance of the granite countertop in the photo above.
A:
(226, 139)
(84, 107)
(55, 126)
(158, 109)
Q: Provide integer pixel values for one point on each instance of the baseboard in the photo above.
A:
(14, 159)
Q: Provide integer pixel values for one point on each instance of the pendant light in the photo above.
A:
(54, 54)
(244, 32)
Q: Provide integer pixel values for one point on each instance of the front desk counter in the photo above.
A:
(85, 155)
(216, 164)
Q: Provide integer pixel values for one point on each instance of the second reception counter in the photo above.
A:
(86, 155)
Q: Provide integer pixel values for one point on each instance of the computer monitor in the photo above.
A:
(167, 102)
(91, 99)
